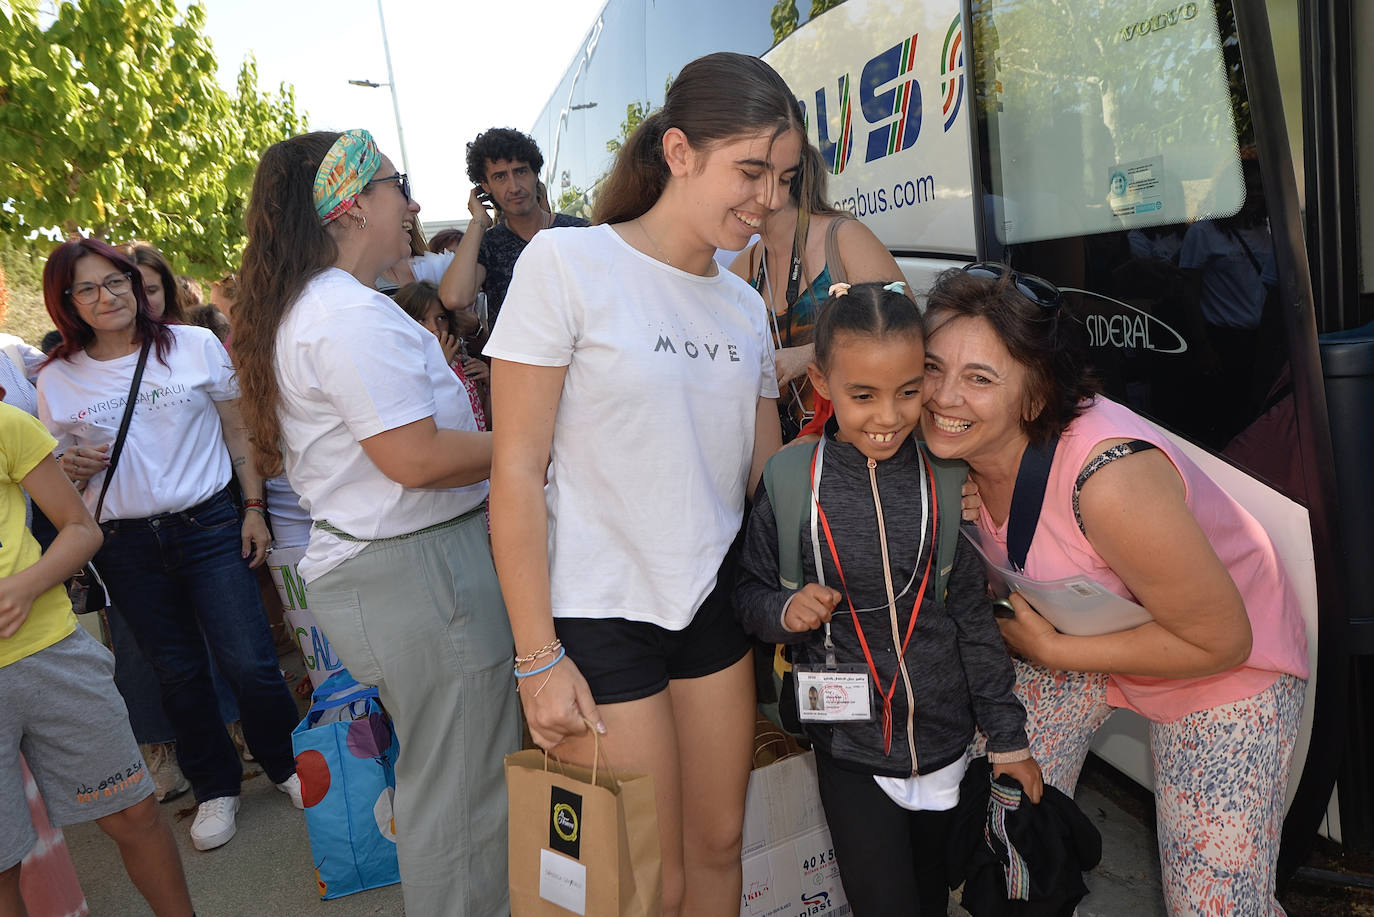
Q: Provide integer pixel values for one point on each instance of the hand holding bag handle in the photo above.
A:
(598, 755)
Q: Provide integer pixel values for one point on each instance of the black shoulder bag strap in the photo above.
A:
(794, 277)
(123, 427)
(1026, 501)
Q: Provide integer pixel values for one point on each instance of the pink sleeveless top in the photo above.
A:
(1059, 550)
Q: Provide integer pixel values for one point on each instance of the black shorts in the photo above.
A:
(629, 660)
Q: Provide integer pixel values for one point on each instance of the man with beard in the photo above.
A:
(503, 165)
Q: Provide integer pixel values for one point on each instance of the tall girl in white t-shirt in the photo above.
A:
(637, 376)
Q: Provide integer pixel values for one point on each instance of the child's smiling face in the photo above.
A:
(875, 385)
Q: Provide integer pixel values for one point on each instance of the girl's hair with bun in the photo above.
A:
(866, 309)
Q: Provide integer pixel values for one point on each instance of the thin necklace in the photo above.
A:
(639, 221)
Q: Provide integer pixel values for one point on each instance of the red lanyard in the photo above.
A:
(858, 628)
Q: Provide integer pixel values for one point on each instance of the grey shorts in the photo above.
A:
(62, 711)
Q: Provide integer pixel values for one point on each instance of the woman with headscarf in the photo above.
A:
(378, 438)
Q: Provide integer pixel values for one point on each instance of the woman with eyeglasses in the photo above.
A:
(1219, 667)
(178, 555)
(379, 440)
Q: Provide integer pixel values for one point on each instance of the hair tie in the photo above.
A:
(896, 286)
(344, 173)
(838, 289)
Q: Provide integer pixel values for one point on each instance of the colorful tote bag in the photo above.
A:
(346, 754)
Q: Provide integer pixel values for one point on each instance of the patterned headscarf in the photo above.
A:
(345, 171)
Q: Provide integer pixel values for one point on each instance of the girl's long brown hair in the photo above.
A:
(287, 246)
(714, 99)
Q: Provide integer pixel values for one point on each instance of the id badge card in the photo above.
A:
(834, 694)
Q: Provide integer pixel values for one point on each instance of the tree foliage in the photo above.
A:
(784, 18)
(635, 112)
(111, 122)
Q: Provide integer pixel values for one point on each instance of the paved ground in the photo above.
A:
(265, 871)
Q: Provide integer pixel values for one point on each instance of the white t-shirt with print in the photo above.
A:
(655, 428)
(174, 454)
(350, 365)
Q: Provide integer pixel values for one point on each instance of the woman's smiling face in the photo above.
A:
(736, 185)
(975, 392)
(106, 311)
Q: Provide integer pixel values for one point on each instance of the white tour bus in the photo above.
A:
(1083, 140)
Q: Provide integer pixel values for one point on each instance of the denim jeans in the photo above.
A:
(182, 584)
(138, 685)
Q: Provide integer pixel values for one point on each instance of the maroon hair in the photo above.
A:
(76, 334)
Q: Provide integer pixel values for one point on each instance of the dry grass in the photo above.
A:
(23, 279)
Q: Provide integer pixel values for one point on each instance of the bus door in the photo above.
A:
(1134, 153)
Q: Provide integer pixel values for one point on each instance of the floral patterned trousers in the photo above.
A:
(1221, 775)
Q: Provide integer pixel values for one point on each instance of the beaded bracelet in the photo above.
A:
(556, 659)
(544, 650)
(254, 501)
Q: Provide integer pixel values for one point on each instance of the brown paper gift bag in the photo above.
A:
(581, 841)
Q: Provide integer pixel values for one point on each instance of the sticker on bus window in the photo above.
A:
(1137, 188)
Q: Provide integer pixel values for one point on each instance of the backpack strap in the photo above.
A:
(787, 478)
(833, 261)
(950, 475)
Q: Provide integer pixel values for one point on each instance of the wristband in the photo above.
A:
(1008, 757)
(546, 650)
(556, 659)
(256, 509)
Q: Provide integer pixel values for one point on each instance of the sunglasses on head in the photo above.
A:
(1037, 289)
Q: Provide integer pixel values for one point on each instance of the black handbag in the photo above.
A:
(86, 589)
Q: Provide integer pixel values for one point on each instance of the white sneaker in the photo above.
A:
(291, 786)
(168, 780)
(214, 824)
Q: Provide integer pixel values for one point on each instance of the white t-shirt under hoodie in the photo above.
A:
(174, 454)
(655, 428)
(350, 365)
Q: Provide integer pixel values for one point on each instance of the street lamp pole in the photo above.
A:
(390, 84)
(391, 80)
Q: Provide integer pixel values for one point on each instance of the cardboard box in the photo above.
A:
(788, 858)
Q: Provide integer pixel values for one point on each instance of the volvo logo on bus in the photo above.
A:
(892, 114)
(1158, 23)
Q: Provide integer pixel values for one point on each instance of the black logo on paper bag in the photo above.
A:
(565, 822)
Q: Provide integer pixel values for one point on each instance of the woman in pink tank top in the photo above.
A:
(1219, 668)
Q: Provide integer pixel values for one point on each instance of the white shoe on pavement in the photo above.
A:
(168, 780)
(291, 786)
(214, 824)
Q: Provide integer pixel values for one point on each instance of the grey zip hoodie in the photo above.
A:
(957, 669)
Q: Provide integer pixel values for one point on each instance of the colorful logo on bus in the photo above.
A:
(836, 152)
(952, 73)
(902, 101)
(893, 113)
